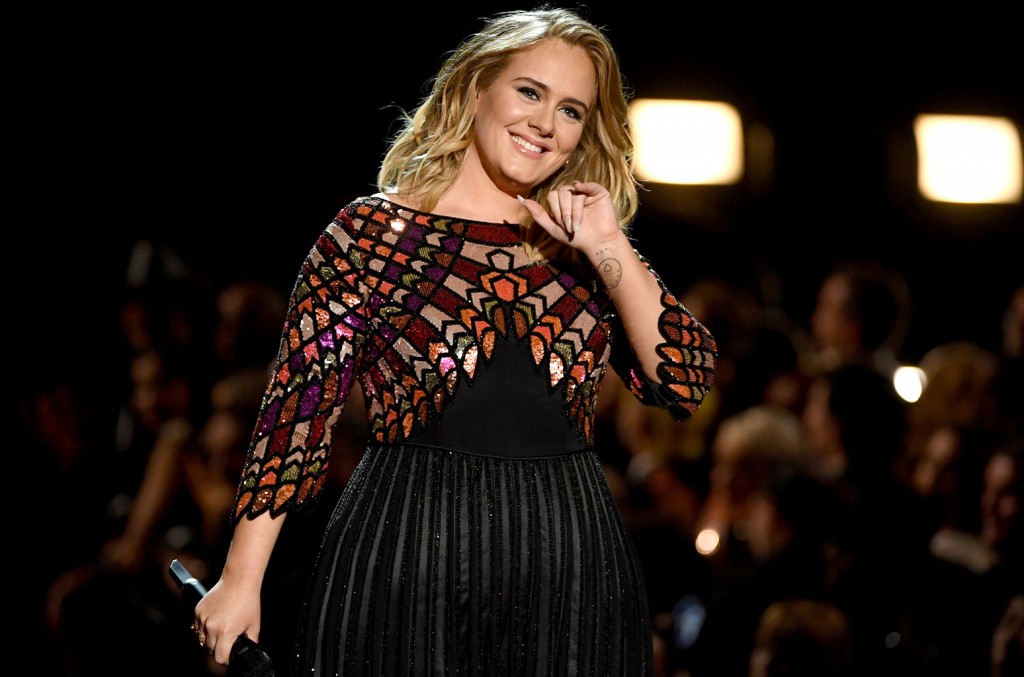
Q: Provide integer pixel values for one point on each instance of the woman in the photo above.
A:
(478, 300)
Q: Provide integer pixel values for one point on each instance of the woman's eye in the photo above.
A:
(531, 93)
(573, 113)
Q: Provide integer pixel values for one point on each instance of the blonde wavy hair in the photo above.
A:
(427, 153)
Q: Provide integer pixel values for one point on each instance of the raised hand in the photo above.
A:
(580, 215)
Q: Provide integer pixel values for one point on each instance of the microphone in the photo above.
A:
(191, 589)
(248, 659)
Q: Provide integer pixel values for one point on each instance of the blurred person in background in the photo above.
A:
(856, 427)
(802, 638)
(862, 315)
(790, 518)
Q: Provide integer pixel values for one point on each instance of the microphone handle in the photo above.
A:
(191, 589)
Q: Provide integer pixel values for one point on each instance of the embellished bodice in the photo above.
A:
(417, 307)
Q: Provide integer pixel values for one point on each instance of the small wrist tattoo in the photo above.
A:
(610, 271)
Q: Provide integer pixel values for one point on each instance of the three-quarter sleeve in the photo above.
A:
(325, 326)
(687, 355)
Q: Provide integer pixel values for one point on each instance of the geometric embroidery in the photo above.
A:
(410, 303)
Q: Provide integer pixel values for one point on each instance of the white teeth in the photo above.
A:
(527, 145)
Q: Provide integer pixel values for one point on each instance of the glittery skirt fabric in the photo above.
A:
(440, 562)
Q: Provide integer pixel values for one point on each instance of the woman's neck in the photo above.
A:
(475, 196)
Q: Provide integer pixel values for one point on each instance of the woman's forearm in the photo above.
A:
(251, 546)
(636, 295)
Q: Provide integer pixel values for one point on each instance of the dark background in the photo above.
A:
(232, 136)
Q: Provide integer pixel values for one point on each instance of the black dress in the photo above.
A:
(478, 535)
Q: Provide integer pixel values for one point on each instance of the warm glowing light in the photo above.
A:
(398, 224)
(968, 158)
(909, 383)
(686, 142)
(707, 541)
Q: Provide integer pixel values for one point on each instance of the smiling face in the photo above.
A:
(531, 118)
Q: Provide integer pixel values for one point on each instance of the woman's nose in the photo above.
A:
(543, 121)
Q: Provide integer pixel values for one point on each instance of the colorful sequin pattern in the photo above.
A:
(409, 303)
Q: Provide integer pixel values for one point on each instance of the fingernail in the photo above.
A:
(522, 200)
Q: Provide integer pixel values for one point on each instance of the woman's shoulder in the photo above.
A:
(375, 205)
(362, 212)
(388, 201)
(396, 201)
(373, 218)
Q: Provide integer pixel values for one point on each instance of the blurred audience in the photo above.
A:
(249, 316)
(947, 474)
(1007, 656)
(1008, 391)
(862, 315)
(977, 567)
(856, 426)
(119, 583)
(763, 354)
(959, 390)
(788, 539)
(802, 638)
(749, 448)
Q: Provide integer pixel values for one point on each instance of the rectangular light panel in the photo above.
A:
(968, 158)
(686, 142)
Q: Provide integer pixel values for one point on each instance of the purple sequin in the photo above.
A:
(413, 231)
(269, 418)
(310, 400)
(348, 369)
(356, 322)
(407, 245)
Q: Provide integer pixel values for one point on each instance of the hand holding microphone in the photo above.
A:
(248, 659)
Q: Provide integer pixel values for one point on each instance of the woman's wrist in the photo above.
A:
(608, 258)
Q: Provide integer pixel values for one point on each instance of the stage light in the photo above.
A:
(686, 141)
(909, 382)
(708, 541)
(968, 159)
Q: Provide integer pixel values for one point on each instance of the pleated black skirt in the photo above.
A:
(438, 562)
